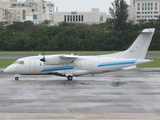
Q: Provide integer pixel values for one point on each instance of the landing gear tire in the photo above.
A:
(16, 78)
(70, 78)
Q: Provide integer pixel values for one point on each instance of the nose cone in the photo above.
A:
(8, 70)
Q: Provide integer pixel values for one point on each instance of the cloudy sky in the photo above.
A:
(83, 5)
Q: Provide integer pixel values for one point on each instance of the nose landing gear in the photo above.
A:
(17, 77)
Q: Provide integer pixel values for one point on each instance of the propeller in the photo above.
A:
(43, 59)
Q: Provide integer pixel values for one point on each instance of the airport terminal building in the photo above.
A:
(93, 17)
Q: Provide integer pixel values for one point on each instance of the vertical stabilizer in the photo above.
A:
(139, 48)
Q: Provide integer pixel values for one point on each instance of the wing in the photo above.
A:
(68, 57)
(60, 59)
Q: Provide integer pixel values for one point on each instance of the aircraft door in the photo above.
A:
(16, 70)
(39, 65)
(32, 65)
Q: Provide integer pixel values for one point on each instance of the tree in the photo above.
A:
(3, 26)
(46, 22)
(119, 13)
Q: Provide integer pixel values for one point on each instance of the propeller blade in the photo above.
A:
(43, 59)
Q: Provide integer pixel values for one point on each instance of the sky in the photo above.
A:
(83, 5)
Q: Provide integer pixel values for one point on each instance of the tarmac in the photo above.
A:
(131, 94)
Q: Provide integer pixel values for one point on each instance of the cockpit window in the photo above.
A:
(19, 62)
(16, 62)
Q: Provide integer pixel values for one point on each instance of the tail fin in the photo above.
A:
(139, 48)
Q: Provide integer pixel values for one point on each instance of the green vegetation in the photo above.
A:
(119, 13)
(73, 37)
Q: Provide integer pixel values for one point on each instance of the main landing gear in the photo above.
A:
(70, 78)
(16, 78)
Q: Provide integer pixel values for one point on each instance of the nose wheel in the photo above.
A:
(17, 77)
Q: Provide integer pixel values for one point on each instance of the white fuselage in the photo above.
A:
(80, 66)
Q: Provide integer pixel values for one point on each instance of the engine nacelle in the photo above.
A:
(56, 60)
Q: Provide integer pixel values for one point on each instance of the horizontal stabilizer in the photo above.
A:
(147, 31)
(130, 67)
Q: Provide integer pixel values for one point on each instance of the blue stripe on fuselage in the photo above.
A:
(117, 63)
(58, 68)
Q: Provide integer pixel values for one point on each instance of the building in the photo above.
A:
(93, 17)
(48, 10)
(39, 10)
(14, 11)
(144, 10)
